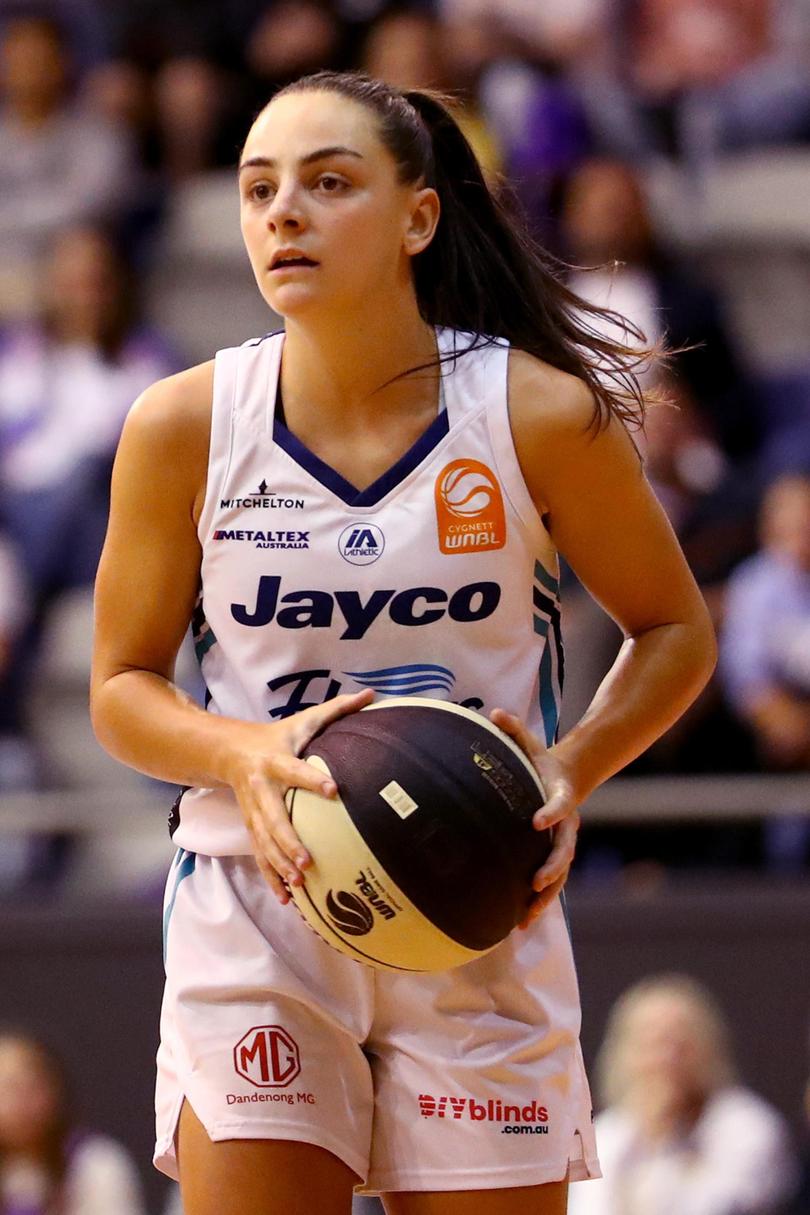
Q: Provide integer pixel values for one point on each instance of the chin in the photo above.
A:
(290, 300)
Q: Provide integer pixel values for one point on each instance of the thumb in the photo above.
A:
(310, 722)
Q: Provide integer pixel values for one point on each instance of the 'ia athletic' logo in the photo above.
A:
(469, 508)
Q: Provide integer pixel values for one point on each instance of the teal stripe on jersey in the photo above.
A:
(548, 699)
(203, 644)
(184, 863)
(541, 626)
(201, 631)
(546, 579)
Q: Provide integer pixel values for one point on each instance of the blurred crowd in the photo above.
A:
(50, 1163)
(679, 1132)
(576, 108)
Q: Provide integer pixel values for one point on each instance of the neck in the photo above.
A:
(342, 370)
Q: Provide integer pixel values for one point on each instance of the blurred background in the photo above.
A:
(661, 149)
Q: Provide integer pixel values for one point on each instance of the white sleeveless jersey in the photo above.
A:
(439, 579)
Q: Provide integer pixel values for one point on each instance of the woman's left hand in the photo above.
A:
(559, 812)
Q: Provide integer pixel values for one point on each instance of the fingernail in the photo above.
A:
(329, 788)
(302, 860)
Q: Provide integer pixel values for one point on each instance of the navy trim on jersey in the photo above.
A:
(263, 338)
(342, 488)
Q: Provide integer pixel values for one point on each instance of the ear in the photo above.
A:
(424, 216)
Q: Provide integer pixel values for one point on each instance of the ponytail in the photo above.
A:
(483, 273)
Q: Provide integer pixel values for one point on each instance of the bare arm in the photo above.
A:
(605, 520)
(146, 588)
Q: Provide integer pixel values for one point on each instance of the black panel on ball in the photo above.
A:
(466, 857)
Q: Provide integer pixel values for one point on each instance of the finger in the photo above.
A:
(280, 842)
(559, 805)
(289, 771)
(541, 901)
(261, 838)
(516, 728)
(258, 835)
(273, 880)
(285, 873)
(561, 857)
(308, 722)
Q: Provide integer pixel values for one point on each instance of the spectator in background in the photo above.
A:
(530, 56)
(67, 381)
(172, 77)
(765, 653)
(288, 39)
(606, 220)
(700, 77)
(58, 164)
(556, 31)
(801, 1205)
(679, 1136)
(13, 618)
(698, 450)
(412, 49)
(47, 1165)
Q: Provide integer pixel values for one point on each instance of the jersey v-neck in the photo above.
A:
(335, 482)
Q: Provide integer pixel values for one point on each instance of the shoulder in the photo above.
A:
(163, 453)
(560, 444)
(742, 1113)
(103, 1176)
(615, 1132)
(759, 576)
(98, 1156)
(545, 400)
(175, 410)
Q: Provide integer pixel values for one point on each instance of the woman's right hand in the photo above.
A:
(263, 765)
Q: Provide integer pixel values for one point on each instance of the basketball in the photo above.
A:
(425, 859)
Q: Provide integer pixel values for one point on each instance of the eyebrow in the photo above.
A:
(264, 162)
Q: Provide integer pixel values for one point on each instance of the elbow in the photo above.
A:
(703, 648)
(100, 712)
(97, 710)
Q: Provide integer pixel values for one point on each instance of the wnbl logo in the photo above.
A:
(361, 543)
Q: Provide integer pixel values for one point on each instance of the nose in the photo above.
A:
(285, 213)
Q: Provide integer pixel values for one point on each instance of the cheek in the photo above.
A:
(369, 243)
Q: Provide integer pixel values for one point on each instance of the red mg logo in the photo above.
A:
(267, 1056)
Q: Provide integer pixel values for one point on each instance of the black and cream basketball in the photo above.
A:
(424, 860)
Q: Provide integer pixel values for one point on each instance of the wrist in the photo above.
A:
(569, 769)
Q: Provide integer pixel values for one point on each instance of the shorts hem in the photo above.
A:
(504, 1177)
(585, 1170)
(165, 1159)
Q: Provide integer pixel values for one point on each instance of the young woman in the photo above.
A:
(422, 335)
(48, 1166)
(678, 1132)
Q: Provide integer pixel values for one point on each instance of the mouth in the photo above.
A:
(291, 261)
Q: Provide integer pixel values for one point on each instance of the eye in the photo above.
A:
(330, 184)
(260, 191)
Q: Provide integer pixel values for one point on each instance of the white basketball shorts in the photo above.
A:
(468, 1079)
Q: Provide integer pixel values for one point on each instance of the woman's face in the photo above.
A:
(29, 1096)
(82, 284)
(667, 1042)
(316, 181)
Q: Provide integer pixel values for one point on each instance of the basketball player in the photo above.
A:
(373, 500)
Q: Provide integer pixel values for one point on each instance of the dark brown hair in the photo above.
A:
(483, 273)
(55, 1142)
